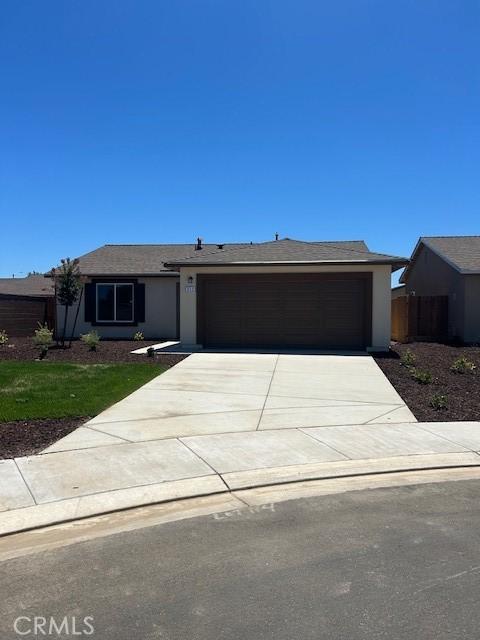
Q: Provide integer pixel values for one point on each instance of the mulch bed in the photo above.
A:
(26, 437)
(462, 390)
(78, 353)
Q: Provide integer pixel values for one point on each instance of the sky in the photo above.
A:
(152, 121)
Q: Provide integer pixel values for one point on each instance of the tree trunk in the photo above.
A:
(76, 318)
(65, 325)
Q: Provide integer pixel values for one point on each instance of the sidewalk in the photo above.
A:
(64, 485)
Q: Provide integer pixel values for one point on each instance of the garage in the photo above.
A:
(320, 310)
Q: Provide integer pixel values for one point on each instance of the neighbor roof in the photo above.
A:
(36, 285)
(461, 252)
(136, 259)
(288, 251)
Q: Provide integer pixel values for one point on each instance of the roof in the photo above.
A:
(288, 251)
(460, 252)
(136, 259)
(36, 285)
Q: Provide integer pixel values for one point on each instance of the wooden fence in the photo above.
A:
(20, 315)
(420, 318)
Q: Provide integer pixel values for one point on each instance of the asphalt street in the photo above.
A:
(385, 563)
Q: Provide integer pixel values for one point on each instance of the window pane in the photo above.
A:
(124, 302)
(105, 297)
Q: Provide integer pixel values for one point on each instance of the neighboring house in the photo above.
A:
(24, 302)
(398, 291)
(449, 266)
(280, 293)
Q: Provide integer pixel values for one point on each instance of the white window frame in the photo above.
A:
(114, 285)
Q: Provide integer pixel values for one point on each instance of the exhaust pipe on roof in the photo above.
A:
(198, 246)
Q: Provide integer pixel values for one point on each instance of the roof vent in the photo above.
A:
(198, 246)
(220, 246)
(276, 236)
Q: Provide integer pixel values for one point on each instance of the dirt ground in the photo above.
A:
(462, 391)
(107, 351)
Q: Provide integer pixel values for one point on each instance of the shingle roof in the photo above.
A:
(461, 252)
(287, 251)
(136, 259)
(36, 285)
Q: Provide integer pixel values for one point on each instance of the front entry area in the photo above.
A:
(307, 310)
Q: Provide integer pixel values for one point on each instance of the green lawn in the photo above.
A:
(31, 390)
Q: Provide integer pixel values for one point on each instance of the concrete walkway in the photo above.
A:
(223, 422)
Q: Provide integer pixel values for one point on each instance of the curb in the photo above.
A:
(73, 509)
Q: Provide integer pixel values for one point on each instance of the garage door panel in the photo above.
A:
(318, 310)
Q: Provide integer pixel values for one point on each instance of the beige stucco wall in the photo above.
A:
(160, 313)
(381, 296)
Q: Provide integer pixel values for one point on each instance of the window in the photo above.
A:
(114, 302)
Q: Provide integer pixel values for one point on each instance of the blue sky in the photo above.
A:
(134, 121)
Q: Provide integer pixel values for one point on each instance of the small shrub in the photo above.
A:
(91, 339)
(422, 377)
(138, 337)
(439, 401)
(408, 359)
(3, 337)
(462, 365)
(43, 339)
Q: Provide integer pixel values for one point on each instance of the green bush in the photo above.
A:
(138, 337)
(422, 377)
(91, 339)
(439, 401)
(3, 337)
(462, 365)
(408, 359)
(43, 339)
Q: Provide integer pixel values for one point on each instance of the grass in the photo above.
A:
(30, 390)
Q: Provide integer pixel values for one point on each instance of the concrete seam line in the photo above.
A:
(203, 460)
(443, 437)
(25, 482)
(382, 415)
(305, 431)
(268, 392)
(355, 402)
(105, 433)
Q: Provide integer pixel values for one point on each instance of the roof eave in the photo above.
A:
(139, 274)
(424, 241)
(395, 263)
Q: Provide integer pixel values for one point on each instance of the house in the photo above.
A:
(398, 291)
(449, 266)
(279, 293)
(25, 302)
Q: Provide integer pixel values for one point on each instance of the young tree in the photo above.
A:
(68, 286)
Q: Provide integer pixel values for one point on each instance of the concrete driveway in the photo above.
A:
(210, 393)
(230, 422)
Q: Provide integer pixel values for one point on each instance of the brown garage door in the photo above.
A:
(298, 310)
